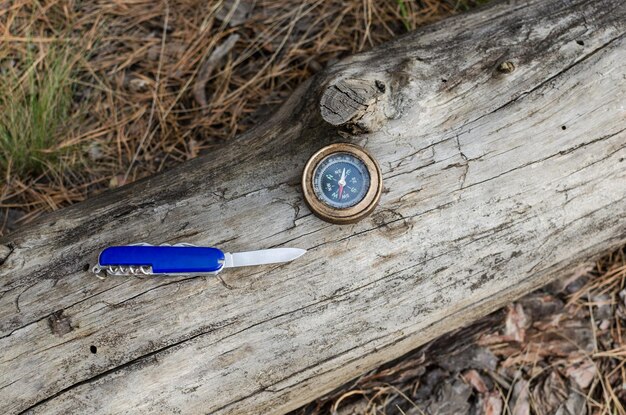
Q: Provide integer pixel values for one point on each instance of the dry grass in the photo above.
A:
(156, 83)
(559, 350)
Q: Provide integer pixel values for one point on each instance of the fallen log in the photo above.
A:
(501, 138)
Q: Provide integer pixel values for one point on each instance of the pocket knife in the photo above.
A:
(183, 259)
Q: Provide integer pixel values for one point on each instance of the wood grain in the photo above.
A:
(495, 182)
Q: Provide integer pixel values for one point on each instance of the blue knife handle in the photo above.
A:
(165, 259)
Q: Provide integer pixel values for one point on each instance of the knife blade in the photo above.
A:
(262, 257)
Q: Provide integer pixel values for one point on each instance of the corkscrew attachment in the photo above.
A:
(120, 270)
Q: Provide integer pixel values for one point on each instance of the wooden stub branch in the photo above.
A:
(501, 138)
(358, 105)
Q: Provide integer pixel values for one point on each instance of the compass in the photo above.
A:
(342, 183)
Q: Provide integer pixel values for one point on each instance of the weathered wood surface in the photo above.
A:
(495, 182)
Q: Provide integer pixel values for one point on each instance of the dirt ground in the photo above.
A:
(97, 94)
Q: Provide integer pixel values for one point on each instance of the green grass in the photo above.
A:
(465, 5)
(404, 13)
(35, 100)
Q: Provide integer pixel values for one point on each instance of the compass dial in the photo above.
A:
(341, 180)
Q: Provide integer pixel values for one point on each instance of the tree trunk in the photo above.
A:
(501, 138)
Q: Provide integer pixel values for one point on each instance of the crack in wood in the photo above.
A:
(541, 160)
(64, 309)
(116, 369)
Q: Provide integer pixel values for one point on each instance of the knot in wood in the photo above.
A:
(356, 105)
(59, 323)
(506, 67)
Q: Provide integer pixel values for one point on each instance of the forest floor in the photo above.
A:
(97, 94)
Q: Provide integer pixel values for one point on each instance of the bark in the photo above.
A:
(501, 137)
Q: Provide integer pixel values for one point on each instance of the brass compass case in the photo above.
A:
(342, 215)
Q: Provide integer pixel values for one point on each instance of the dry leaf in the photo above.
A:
(199, 88)
(452, 398)
(235, 12)
(583, 374)
(516, 323)
(473, 378)
(519, 399)
(492, 404)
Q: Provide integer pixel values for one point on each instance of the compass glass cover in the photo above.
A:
(341, 180)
